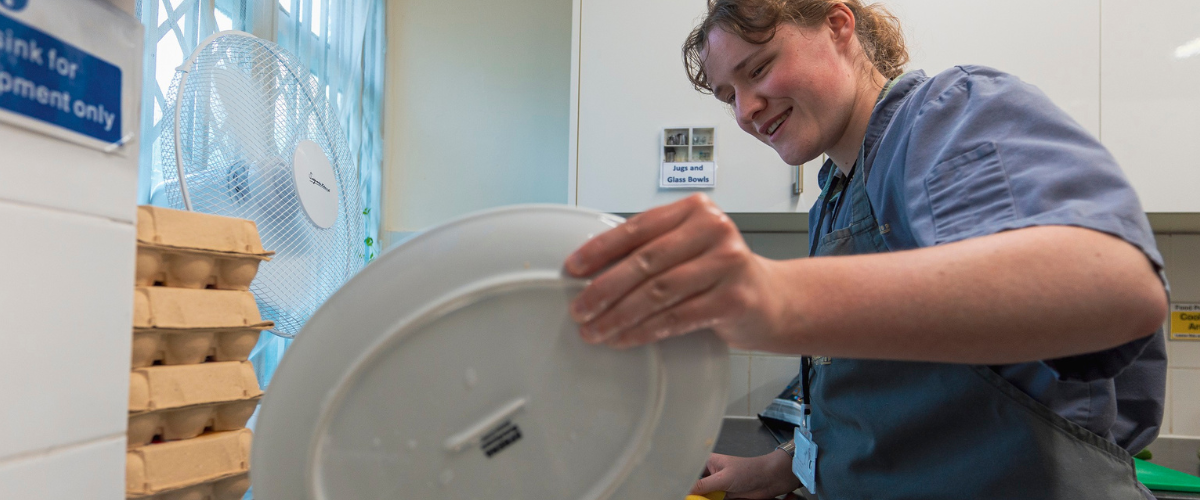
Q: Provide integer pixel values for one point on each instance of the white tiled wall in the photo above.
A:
(739, 385)
(67, 240)
(758, 377)
(91, 470)
(66, 306)
(768, 376)
(1182, 255)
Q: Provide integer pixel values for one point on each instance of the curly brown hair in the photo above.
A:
(755, 21)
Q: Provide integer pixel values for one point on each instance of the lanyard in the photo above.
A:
(805, 365)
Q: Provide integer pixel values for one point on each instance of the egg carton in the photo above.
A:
(156, 388)
(230, 488)
(193, 250)
(174, 465)
(191, 347)
(173, 326)
(189, 422)
(195, 269)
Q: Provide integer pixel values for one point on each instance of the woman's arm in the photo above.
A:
(1022, 295)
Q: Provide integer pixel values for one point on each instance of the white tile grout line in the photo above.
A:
(763, 354)
(60, 210)
(749, 381)
(47, 452)
(1176, 436)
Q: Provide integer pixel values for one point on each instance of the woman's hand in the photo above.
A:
(766, 476)
(674, 269)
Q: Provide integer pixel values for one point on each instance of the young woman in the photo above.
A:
(985, 290)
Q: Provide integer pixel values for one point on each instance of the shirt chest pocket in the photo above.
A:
(968, 192)
(848, 240)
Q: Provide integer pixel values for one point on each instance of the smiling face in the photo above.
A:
(797, 92)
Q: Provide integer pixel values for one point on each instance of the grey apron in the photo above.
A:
(901, 430)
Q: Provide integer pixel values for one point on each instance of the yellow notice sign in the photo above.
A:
(1185, 322)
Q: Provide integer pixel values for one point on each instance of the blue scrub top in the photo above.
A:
(974, 151)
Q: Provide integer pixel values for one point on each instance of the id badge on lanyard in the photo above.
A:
(804, 463)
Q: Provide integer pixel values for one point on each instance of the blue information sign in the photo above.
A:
(46, 79)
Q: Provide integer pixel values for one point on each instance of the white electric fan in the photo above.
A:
(248, 134)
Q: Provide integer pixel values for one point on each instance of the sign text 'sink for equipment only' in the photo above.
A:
(54, 82)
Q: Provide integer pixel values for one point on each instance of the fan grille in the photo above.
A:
(243, 108)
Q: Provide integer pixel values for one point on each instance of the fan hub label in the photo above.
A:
(53, 82)
(316, 184)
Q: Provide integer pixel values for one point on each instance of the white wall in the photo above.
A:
(1150, 70)
(477, 107)
(1060, 57)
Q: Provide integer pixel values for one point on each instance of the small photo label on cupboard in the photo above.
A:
(687, 158)
(1185, 322)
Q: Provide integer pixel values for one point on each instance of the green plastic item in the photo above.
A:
(1157, 477)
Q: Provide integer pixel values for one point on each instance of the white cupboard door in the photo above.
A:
(1151, 98)
(1053, 45)
(632, 85)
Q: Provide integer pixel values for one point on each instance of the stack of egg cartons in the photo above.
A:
(192, 389)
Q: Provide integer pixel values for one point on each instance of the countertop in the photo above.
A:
(1178, 454)
(746, 437)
